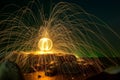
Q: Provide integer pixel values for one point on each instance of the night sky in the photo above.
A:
(106, 10)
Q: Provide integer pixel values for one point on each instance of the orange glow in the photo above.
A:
(45, 44)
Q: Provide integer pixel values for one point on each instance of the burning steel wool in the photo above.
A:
(67, 41)
(45, 44)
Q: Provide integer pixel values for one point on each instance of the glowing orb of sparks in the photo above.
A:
(45, 44)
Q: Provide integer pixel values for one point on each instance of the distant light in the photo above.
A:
(45, 44)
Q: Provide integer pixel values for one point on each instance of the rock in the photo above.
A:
(10, 71)
(112, 73)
